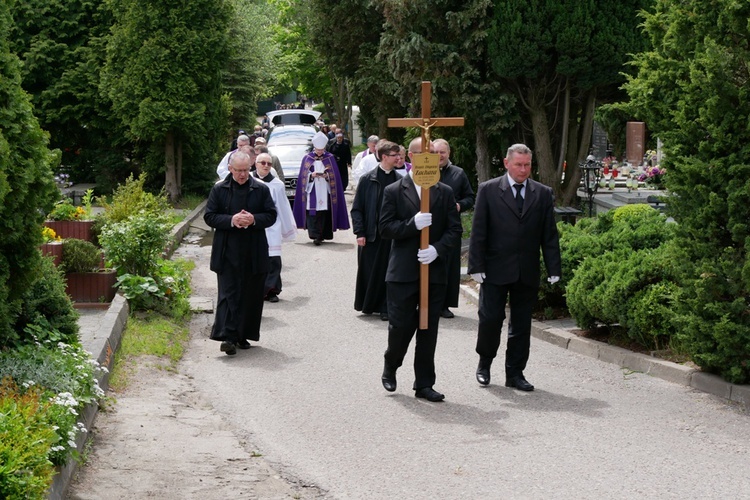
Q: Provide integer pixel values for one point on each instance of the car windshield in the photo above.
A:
(290, 135)
(290, 153)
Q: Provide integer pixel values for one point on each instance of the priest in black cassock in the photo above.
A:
(239, 208)
(457, 179)
(373, 250)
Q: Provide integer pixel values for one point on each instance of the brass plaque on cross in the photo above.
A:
(426, 168)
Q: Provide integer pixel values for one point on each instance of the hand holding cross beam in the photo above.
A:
(426, 169)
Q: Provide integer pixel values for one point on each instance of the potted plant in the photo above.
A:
(52, 245)
(70, 221)
(87, 283)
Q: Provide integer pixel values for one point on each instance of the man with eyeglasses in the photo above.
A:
(260, 147)
(282, 230)
(372, 249)
(239, 208)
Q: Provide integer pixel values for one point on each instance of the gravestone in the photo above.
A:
(635, 142)
(599, 141)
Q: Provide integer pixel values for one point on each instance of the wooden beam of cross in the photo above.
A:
(426, 169)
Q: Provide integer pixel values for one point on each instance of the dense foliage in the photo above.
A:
(46, 311)
(692, 89)
(572, 58)
(163, 75)
(27, 190)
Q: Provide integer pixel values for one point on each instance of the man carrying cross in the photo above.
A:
(401, 220)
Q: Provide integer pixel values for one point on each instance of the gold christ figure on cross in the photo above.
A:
(426, 169)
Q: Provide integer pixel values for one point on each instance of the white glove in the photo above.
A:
(422, 220)
(427, 255)
(553, 279)
(478, 277)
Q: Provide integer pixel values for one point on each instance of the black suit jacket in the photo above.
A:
(457, 179)
(400, 204)
(504, 244)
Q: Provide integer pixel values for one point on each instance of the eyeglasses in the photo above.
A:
(241, 170)
(263, 163)
(394, 154)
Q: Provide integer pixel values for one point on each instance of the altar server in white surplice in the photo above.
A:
(284, 229)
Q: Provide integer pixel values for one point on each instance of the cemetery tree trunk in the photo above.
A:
(483, 153)
(171, 186)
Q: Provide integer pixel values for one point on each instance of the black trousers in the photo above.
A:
(492, 300)
(403, 317)
(273, 279)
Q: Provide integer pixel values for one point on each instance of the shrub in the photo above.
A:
(134, 246)
(46, 311)
(25, 469)
(65, 210)
(166, 292)
(80, 256)
(633, 289)
(66, 376)
(131, 199)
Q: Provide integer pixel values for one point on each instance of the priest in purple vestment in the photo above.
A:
(319, 204)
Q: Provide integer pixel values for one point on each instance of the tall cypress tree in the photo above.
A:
(163, 75)
(693, 90)
(27, 189)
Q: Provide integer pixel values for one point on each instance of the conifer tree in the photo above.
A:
(27, 189)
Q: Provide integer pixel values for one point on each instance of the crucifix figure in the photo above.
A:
(426, 169)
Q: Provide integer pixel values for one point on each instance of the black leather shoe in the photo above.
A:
(446, 313)
(272, 297)
(520, 383)
(384, 316)
(483, 371)
(429, 394)
(317, 242)
(243, 344)
(228, 348)
(389, 378)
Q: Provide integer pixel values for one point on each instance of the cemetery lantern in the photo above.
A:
(591, 175)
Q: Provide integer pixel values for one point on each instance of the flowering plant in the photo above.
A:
(49, 235)
(63, 180)
(65, 210)
(653, 176)
(65, 377)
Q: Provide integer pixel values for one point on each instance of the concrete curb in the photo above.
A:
(103, 347)
(636, 362)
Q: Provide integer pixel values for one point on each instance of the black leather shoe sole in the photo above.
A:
(519, 383)
(429, 394)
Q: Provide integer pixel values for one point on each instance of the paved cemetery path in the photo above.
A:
(303, 415)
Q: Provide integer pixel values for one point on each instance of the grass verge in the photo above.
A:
(149, 335)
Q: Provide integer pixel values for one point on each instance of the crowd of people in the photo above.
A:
(513, 225)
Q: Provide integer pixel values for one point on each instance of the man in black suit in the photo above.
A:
(513, 219)
(402, 221)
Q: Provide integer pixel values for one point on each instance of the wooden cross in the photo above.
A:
(426, 174)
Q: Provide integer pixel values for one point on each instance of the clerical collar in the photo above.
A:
(387, 172)
(267, 178)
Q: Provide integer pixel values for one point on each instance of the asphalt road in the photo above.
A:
(308, 397)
